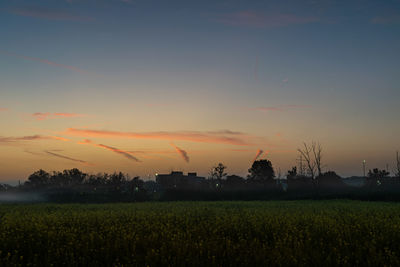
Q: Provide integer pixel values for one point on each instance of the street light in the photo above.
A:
(364, 167)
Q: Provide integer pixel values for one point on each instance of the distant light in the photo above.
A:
(156, 174)
(364, 161)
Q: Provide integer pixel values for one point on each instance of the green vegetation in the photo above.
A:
(276, 233)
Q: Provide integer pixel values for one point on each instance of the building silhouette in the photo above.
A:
(177, 180)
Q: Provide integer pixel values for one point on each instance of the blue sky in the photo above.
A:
(307, 70)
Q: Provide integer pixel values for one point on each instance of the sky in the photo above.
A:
(145, 87)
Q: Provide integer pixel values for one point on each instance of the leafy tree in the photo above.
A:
(3, 187)
(38, 179)
(136, 184)
(74, 176)
(375, 176)
(234, 180)
(292, 174)
(330, 178)
(117, 178)
(218, 172)
(262, 171)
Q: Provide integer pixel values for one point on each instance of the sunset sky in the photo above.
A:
(143, 86)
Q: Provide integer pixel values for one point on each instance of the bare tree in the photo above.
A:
(306, 154)
(312, 155)
(317, 151)
(397, 171)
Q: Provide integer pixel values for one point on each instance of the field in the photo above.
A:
(275, 233)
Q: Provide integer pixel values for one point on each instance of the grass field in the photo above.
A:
(276, 233)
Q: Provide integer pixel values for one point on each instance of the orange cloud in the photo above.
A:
(67, 158)
(14, 139)
(222, 137)
(43, 116)
(240, 150)
(3, 109)
(181, 152)
(259, 152)
(126, 154)
(60, 138)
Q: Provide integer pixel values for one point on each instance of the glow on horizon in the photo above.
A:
(147, 88)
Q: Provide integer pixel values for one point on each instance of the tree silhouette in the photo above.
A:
(261, 171)
(39, 179)
(234, 180)
(75, 176)
(397, 171)
(218, 172)
(312, 154)
(330, 179)
(292, 174)
(375, 176)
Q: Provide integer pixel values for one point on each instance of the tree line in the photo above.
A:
(308, 180)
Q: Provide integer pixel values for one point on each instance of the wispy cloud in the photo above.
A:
(257, 19)
(219, 137)
(67, 158)
(14, 139)
(3, 109)
(43, 116)
(393, 19)
(124, 153)
(48, 13)
(281, 108)
(33, 153)
(181, 152)
(258, 154)
(45, 61)
(59, 138)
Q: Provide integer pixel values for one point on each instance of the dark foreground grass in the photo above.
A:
(276, 233)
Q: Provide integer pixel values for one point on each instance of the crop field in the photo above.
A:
(275, 233)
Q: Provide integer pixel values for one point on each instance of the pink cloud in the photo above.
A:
(257, 19)
(60, 138)
(258, 154)
(47, 13)
(181, 152)
(124, 153)
(219, 137)
(45, 61)
(3, 109)
(44, 116)
(30, 138)
(67, 158)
